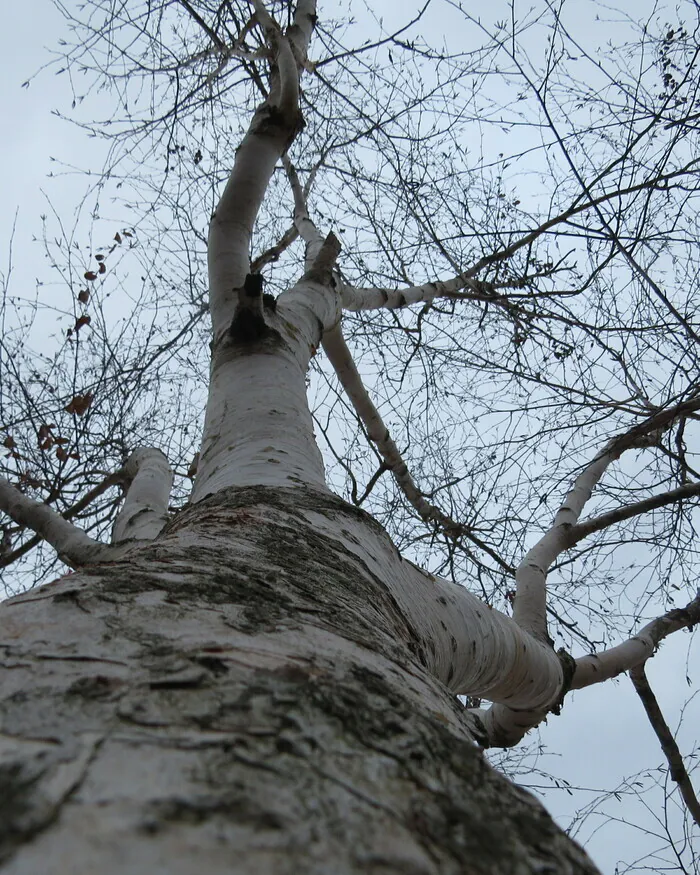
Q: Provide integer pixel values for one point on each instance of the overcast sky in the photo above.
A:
(602, 736)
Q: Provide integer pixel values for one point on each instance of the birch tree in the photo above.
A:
(257, 675)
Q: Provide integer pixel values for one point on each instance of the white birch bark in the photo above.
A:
(145, 510)
(246, 695)
(73, 545)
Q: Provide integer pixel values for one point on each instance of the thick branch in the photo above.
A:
(74, 546)
(671, 751)
(145, 509)
(72, 511)
(273, 128)
(504, 726)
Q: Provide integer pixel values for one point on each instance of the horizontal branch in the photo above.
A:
(597, 667)
(374, 299)
(74, 546)
(626, 512)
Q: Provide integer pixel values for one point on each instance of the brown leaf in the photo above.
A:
(79, 404)
(102, 268)
(90, 275)
(45, 430)
(128, 234)
(80, 321)
(46, 444)
(62, 440)
(99, 258)
(61, 454)
(83, 296)
(9, 442)
(118, 237)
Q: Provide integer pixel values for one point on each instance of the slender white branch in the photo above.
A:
(597, 667)
(597, 524)
(531, 575)
(306, 228)
(355, 299)
(74, 546)
(341, 359)
(145, 509)
(530, 608)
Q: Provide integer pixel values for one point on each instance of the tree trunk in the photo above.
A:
(245, 694)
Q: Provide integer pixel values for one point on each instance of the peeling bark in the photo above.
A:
(245, 694)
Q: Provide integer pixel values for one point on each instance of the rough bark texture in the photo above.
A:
(245, 695)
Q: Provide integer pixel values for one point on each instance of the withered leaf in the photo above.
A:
(102, 268)
(79, 404)
(9, 442)
(90, 275)
(61, 454)
(83, 296)
(80, 321)
(118, 237)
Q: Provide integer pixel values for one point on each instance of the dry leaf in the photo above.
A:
(79, 404)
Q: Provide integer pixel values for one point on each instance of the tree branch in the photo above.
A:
(74, 546)
(596, 524)
(145, 509)
(597, 667)
(374, 299)
(74, 510)
(531, 576)
(671, 751)
(273, 128)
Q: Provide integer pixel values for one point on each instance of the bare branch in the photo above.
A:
(677, 769)
(597, 667)
(73, 545)
(531, 576)
(596, 524)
